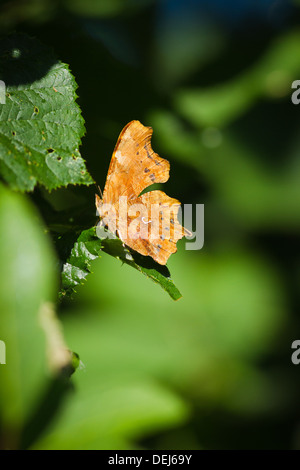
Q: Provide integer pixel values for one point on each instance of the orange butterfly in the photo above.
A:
(134, 166)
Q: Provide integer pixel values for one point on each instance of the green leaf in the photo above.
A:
(41, 124)
(104, 418)
(88, 247)
(27, 281)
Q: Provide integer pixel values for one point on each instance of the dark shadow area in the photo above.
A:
(23, 59)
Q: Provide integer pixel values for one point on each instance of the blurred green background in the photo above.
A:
(213, 79)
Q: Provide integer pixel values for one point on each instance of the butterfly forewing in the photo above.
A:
(134, 166)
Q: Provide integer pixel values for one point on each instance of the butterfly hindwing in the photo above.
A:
(156, 229)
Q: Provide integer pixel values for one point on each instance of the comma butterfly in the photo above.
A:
(147, 223)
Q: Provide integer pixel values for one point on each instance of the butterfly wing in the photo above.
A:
(134, 166)
(156, 229)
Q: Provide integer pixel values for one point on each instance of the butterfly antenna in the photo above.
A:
(100, 191)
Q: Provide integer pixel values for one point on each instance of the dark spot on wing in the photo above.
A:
(152, 177)
(146, 170)
(162, 237)
(172, 221)
(148, 153)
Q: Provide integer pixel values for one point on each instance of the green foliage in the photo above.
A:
(88, 247)
(41, 124)
(141, 349)
(28, 280)
(153, 406)
(78, 266)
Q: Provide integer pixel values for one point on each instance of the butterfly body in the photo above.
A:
(147, 223)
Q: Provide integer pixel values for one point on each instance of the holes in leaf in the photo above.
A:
(50, 150)
(36, 110)
(13, 133)
(59, 159)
